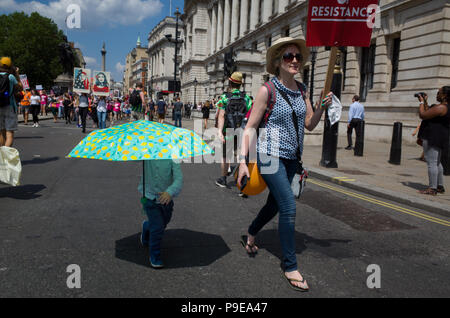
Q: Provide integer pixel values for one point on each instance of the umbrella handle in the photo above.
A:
(143, 178)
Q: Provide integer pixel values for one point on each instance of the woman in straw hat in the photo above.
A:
(278, 150)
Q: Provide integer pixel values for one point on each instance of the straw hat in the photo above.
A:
(270, 56)
(5, 61)
(236, 77)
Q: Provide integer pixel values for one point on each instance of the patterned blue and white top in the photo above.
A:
(280, 139)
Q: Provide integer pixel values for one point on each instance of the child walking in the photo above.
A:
(163, 181)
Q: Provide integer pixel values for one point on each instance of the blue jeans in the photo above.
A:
(281, 199)
(61, 111)
(158, 217)
(101, 120)
(177, 119)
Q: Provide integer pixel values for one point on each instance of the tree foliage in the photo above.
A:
(32, 43)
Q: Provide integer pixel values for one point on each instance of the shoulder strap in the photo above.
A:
(271, 99)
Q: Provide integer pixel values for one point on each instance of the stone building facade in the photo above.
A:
(409, 52)
(136, 67)
(161, 53)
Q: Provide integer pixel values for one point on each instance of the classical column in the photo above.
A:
(267, 10)
(235, 19)
(220, 26)
(255, 14)
(213, 30)
(282, 5)
(244, 17)
(226, 23)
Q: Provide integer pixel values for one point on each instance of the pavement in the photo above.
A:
(87, 213)
(374, 175)
(371, 173)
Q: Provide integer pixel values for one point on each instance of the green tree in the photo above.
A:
(33, 44)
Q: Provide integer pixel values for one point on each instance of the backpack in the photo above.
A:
(235, 111)
(135, 98)
(4, 91)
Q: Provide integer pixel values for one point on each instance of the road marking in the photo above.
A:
(347, 179)
(382, 203)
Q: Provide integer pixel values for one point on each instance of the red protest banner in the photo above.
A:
(340, 22)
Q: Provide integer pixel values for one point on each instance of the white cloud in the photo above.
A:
(120, 67)
(90, 61)
(94, 13)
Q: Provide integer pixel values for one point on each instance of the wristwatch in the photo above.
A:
(241, 157)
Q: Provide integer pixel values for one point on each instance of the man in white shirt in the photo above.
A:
(355, 117)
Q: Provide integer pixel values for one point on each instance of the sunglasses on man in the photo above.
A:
(289, 57)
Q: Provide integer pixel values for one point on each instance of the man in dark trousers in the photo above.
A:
(161, 108)
(177, 108)
(355, 117)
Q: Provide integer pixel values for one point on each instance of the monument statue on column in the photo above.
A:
(103, 58)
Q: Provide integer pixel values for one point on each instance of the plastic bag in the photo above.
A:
(298, 184)
(10, 166)
(335, 111)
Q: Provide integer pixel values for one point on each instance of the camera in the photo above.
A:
(419, 94)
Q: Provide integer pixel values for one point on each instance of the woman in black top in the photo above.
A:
(68, 106)
(435, 136)
(205, 111)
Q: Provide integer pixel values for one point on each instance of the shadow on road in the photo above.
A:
(25, 192)
(414, 185)
(269, 240)
(180, 249)
(37, 161)
(29, 137)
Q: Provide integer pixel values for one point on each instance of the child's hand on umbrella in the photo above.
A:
(164, 198)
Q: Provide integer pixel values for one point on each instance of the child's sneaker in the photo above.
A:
(145, 234)
(156, 262)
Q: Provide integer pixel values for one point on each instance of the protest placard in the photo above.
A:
(81, 80)
(101, 83)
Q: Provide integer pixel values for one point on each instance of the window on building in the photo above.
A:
(395, 60)
(274, 7)
(255, 46)
(249, 6)
(268, 41)
(367, 70)
(286, 32)
(260, 12)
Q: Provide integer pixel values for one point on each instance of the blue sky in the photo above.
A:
(115, 22)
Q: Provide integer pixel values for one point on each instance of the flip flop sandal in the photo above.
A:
(296, 288)
(244, 244)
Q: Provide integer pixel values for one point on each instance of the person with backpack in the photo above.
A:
(137, 101)
(161, 107)
(283, 107)
(9, 84)
(232, 109)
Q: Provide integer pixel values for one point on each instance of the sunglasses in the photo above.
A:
(289, 57)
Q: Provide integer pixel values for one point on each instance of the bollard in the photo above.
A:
(396, 146)
(331, 133)
(359, 142)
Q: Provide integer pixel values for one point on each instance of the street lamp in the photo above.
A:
(195, 92)
(313, 63)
